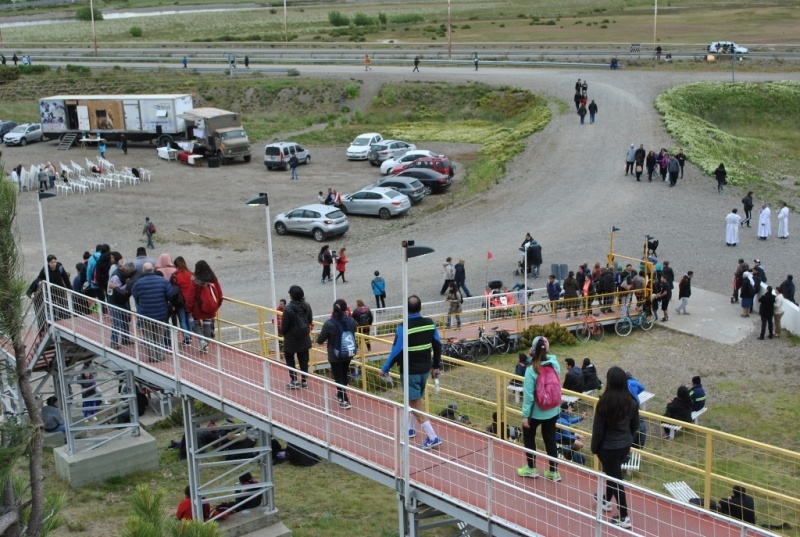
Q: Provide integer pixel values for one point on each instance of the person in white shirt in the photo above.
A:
(778, 310)
(732, 221)
(783, 222)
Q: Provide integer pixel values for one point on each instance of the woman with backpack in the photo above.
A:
(363, 316)
(340, 333)
(616, 421)
(454, 299)
(181, 279)
(533, 413)
(205, 298)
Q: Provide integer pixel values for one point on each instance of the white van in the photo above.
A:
(277, 155)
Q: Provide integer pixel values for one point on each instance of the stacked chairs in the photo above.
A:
(83, 180)
(106, 165)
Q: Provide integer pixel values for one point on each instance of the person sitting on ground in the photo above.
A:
(569, 441)
(590, 378)
(698, 394)
(573, 380)
(679, 407)
(51, 416)
(184, 511)
(739, 506)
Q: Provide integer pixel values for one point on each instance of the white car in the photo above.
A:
(22, 134)
(388, 165)
(386, 149)
(726, 47)
(359, 148)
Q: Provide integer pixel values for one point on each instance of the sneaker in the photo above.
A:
(203, 346)
(622, 522)
(293, 385)
(345, 405)
(555, 476)
(185, 343)
(606, 503)
(527, 471)
(304, 384)
(431, 443)
(412, 433)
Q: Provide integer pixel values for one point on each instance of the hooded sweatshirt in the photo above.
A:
(165, 266)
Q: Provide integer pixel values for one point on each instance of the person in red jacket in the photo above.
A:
(341, 264)
(184, 511)
(182, 279)
(205, 298)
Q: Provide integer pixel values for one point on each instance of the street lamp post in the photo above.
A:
(285, 23)
(449, 33)
(655, 22)
(611, 246)
(47, 295)
(94, 34)
(263, 199)
(409, 249)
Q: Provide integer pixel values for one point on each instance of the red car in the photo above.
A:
(438, 164)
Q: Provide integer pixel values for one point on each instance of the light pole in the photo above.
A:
(733, 67)
(47, 296)
(285, 23)
(263, 199)
(409, 250)
(655, 22)
(611, 247)
(94, 35)
(449, 34)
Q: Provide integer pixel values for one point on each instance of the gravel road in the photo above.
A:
(568, 189)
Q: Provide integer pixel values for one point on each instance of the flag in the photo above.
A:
(489, 255)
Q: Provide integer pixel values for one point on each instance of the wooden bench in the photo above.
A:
(675, 428)
(681, 491)
(633, 463)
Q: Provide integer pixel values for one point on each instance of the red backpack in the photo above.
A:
(548, 388)
(209, 301)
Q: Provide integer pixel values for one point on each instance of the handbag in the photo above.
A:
(639, 169)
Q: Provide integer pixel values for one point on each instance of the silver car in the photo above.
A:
(319, 221)
(405, 185)
(388, 149)
(376, 200)
(22, 134)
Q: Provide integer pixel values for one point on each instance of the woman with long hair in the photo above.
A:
(533, 416)
(616, 421)
(341, 264)
(326, 259)
(182, 280)
(205, 298)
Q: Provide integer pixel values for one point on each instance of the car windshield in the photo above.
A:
(378, 147)
(21, 128)
(334, 214)
(230, 135)
(416, 184)
(361, 141)
(273, 151)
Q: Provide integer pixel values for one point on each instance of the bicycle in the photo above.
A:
(499, 343)
(459, 349)
(590, 329)
(624, 325)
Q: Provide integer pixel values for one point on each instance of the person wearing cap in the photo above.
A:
(296, 324)
(630, 158)
(51, 416)
(764, 223)
(423, 341)
(535, 416)
(332, 332)
(570, 442)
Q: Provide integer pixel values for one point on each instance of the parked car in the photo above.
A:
(437, 164)
(277, 155)
(395, 165)
(727, 47)
(409, 186)
(437, 182)
(319, 221)
(5, 127)
(376, 200)
(22, 134)
(359, 148)
(386, 149)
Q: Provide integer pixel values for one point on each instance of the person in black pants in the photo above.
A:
(747, 203)
(766, 310)
(616, 422)
(296, 324)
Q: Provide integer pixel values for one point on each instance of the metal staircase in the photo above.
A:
(67, 141)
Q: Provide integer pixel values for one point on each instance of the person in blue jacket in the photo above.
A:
(379, 290)
(570, 442)
(533, 416)
(152, 294)
(698, 394)
(634, 386)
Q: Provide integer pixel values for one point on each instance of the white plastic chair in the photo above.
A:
(106, 165)
(79, 185)
(145, 175)
(66, 188)
(70, 172)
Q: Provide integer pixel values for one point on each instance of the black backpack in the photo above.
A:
(300, 327)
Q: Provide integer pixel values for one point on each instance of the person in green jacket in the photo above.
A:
(533, 416)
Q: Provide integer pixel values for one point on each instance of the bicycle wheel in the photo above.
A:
(583, 333)
(470, 352)
(483, 352)
(623, 326)
(646, 321)
(598, 332)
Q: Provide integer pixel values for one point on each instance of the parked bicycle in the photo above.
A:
(459, 349)
(500, 342)
(590, 329)
(644, 319)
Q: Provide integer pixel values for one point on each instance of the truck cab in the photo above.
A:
(218, 132)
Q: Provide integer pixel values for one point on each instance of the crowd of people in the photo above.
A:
(668, 167)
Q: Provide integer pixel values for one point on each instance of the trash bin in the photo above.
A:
(213, 162)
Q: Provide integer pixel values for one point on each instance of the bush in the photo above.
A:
(362, 19)
(135, 31)
(337, 19)
(382, 18)
(85, 14)
(34, 69)
(554, 332)
(8, 74)
(352, 90)
(407, 18)
(81, 69)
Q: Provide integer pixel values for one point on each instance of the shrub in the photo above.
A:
(352, 90)
(8, 74)
(136, 31)
(362, 19)
(554, 332)
(407, 18)
(337, 19)
(503, 25)
(382, 18)
(81, 69)
(85, 14)
(33, 69)
(550, 23)
(273, 11)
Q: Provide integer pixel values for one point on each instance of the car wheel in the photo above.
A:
(319, 236)
(389, 171)
(385, 214)
(23, 142)
(269, 168)
(428, 191)
(308, 159)
(280, 228)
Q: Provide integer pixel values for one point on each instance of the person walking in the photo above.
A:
(123, 143)
(783, 222)
(364, 318)
(674, 169)
(326, 260)
(764, 223)
(379, 290)
(747, 203)
(102, 148)
(367, 61)
(185, 62)
(722, 177)
(204, 300)
(592, 111)
(423, 341)
(681, 156)
(460, 277)
(14, 59)
(475, 59)
(119, 296)
(149, 230)
(416, 65)
(650, 161)
(246, 61)
(534, 416)
(449, 274)
(454, 300)
(766, 310)
(296, 325)
(732, 223)
(582, 113)
(577, 99)
(638, 162)
(630, 158)
(684, 292)
(152, 294)
(339, 332)
(341, 264)
(616, 423)
(293, 163)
